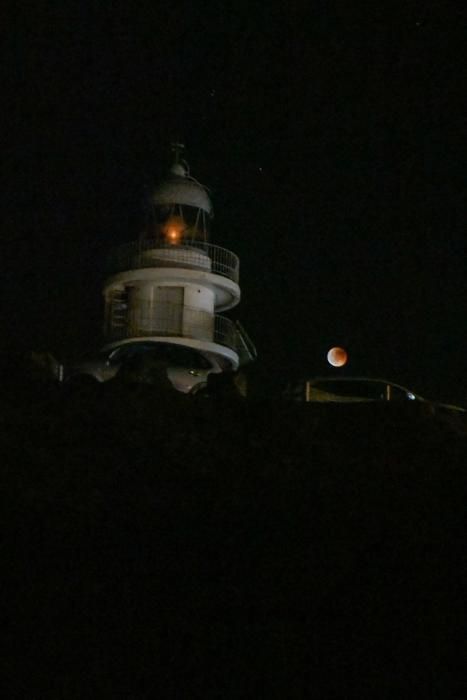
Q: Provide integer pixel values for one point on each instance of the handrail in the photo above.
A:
(195, 255)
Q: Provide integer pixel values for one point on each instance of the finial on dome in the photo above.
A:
(179, 167)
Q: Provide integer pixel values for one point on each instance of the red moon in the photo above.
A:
(337, 357)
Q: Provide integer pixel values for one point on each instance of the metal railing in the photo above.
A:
(225, 332)
(196, 255)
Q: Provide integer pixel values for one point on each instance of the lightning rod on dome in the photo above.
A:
(179, 166)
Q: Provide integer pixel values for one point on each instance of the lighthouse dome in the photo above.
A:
(180, 188)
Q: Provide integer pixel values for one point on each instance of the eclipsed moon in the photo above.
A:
(337, 357)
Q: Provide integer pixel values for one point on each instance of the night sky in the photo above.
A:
(331, 140)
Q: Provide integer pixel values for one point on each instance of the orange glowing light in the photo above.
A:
(337, 357)
(173, 229)
(173, 235)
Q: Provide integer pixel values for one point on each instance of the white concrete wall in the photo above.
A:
(198, 317)
(155, 308)
(184, 309)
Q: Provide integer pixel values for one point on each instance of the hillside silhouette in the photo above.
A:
(160, 545)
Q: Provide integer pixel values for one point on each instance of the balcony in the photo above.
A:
(172, 320)
(153, 253)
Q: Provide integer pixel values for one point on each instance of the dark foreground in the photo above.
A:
(160, 546)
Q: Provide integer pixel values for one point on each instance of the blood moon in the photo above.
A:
(337, 357)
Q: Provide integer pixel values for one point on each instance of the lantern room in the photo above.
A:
(181, 209)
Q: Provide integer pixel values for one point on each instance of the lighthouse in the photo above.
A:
(172, 284)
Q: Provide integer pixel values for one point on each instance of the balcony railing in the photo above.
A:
(196, 255)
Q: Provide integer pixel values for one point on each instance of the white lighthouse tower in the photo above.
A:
(171, 284)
